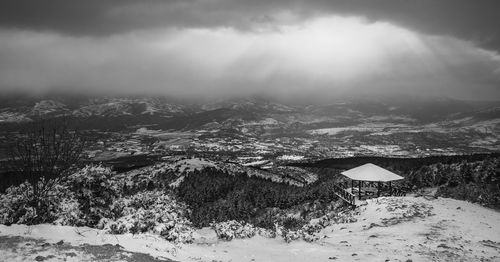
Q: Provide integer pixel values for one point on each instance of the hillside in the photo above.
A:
(390, 229)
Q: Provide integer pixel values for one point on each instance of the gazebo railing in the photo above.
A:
(343, 194)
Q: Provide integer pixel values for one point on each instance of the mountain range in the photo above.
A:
(381, 126)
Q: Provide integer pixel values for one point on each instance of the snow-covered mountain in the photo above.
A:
(123, 106)
(101, 107)
(393, 126)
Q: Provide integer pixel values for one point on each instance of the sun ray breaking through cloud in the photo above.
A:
(329, 55)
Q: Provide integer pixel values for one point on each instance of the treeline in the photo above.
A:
(215, 196)
(403, 165)
(474, 181)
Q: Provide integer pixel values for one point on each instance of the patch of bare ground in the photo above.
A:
(17, 248)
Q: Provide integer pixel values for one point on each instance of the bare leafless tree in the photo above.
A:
(45, 152)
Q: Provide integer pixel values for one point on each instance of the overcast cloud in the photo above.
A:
(284, 48)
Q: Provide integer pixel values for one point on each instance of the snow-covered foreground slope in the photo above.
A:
(397, 229)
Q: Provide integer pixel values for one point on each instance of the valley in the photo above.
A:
(264, 132)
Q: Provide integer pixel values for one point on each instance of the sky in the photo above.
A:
(217, 48)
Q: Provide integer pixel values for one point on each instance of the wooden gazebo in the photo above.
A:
(370, 173)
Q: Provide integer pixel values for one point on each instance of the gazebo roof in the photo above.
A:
(371, 172)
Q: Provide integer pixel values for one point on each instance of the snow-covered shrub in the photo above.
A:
(289, 228)
(269, 233)
(15, 204)
(233, 229)
(309, 231)
(82, 198)
(69, 213)
(344, 217)
(152, 212)
(287, 234)
(292, 223)
(18, 205)
(95, 192)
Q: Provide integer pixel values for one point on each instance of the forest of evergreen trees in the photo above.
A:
(215, 196)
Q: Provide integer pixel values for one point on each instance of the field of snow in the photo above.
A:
(193, 164)
(263, 122)
(257, 163)
(383, 129)
(335, 130)
(368, 127)
(387, 229)
(391, 150)
(290, 157)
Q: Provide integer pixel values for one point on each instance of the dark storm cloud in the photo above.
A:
(475, 20)
(233, 47)
(321, 57)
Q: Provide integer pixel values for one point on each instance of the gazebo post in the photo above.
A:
(390, 188)
(359, 191)
(378, 189)
(352, 184)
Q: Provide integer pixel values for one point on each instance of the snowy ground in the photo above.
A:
(388, 229)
